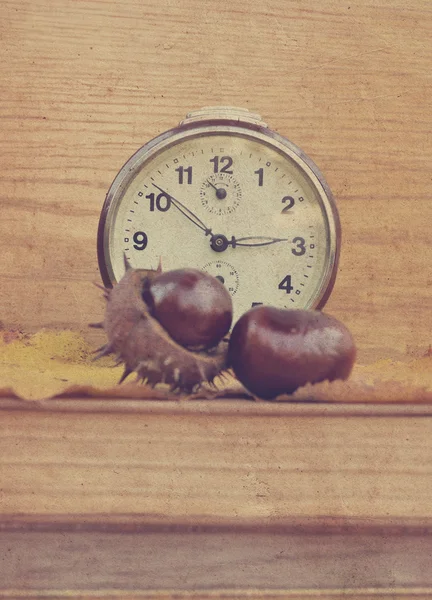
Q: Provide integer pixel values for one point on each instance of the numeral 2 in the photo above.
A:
(289, 201)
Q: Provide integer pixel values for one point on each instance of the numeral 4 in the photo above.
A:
(285, 284)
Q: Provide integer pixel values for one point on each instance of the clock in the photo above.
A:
(225, 194)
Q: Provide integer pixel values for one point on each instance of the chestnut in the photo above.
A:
(194, 307)
(274, 351)
(168, 327)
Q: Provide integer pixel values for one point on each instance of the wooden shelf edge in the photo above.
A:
(223, 594)
(234, 407)
(144, 523)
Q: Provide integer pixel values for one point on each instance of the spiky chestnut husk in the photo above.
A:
(274, 351)
(144, 345)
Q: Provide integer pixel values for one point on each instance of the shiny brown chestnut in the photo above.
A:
(194, 307)
(274, 351)
(168, 327)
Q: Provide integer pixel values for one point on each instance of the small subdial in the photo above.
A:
(220, 194)
(226, 274)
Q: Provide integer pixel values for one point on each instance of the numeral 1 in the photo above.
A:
(260, 173)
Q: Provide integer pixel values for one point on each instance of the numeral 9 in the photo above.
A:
(140, 239)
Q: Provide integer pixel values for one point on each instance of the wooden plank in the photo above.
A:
(364, 594)
(191, 466)
(86, 84)
(208, 561)
(142, 524)
(220, 407)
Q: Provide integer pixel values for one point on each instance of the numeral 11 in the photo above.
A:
(181, 171)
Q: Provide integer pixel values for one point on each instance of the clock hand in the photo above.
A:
(212, 184)
(268, 240)
(219, 242)
(186, 212)
(221, 193)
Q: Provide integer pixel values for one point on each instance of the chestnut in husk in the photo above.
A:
(168, 327)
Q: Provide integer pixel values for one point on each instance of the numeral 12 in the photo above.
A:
(223, 159)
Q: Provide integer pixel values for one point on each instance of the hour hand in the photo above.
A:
(219, 242)
(256, 240)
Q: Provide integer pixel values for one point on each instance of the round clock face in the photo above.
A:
(244, 205)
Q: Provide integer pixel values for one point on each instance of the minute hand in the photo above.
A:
(186, 212)
(261, 240)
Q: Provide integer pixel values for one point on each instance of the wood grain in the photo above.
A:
(207, 561)
(84, 84)
(221, 594)
(204, 467)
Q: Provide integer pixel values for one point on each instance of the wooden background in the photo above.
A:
(85, 83)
